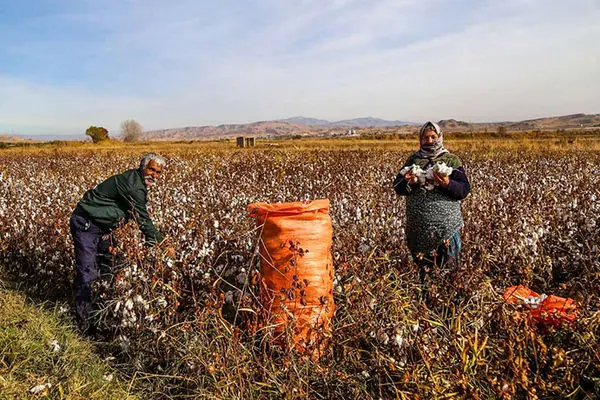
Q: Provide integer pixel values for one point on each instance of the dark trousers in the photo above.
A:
(92, 255)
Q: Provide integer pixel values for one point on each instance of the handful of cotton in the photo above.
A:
(442, 168)
(420, 175)
(425, 178)
(439, 167)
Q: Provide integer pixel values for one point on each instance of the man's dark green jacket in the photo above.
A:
(119, 198)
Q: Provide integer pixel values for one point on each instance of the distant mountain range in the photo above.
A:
(355, 123)
(290, 126)
(263, 128)
(306, 126)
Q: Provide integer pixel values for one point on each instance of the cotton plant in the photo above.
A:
(425, 177)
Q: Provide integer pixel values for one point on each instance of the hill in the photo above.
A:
(370, 122)
(306, 121)
(279, 128)
(13, 139)
(573, 121)
(262, 128)
(355, 122)
(450, 124)
(563, 122)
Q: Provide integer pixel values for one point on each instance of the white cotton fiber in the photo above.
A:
(442, 168)
(425, 178)
(415, 169)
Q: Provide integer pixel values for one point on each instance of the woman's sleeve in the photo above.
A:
(458, 188)
(401, 186)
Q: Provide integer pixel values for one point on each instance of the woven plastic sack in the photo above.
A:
(297, 272)
(519, 295)
(548, 310)
(555, 310)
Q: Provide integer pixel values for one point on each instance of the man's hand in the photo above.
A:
(410, 177)
(441, 180)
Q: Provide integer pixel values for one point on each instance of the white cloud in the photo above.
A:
(194, 64)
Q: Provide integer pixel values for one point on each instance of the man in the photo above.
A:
(113, 202)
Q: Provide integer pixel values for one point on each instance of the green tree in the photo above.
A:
(97, 133)
(131, 130)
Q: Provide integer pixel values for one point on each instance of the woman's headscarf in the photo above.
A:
(436, 148)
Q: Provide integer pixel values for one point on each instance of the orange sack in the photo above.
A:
(297, 272)
(549, 310)
(518, 294)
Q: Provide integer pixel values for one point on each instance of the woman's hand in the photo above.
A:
(410, 177)
(441, 180)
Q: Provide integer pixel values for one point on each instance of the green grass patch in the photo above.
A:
(37, 349)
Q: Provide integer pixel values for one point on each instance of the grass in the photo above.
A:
(28, 358)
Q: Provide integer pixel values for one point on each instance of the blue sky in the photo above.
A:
(65, 65)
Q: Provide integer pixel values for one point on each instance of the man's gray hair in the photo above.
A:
(149, 157)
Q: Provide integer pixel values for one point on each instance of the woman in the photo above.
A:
(433, 192)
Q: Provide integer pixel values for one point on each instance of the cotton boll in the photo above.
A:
(429, 174)
(408, 168)
(55, 346)
(426, 177)
(442, 168)
(421, 176)
(399, 339)
(40, 388)
(161, 302)
(415, 169)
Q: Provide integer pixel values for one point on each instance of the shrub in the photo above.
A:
(97, 133)
(131, 130)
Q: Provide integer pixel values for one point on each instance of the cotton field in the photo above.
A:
(187, 326)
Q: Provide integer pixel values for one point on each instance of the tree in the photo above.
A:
(131, 130)
(97, 133)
